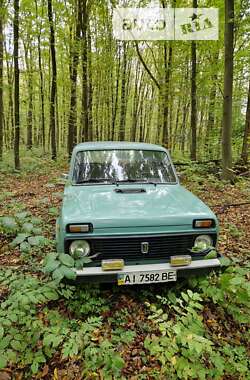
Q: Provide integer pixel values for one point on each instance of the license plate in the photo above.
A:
(133, 278)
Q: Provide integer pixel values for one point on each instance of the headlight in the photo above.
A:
(203, 242)
(79, 248)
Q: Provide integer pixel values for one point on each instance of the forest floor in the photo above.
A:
(119, 332)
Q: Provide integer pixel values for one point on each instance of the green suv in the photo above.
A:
(128, 220)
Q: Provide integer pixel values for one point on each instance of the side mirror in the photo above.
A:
(63, 179)
(64, 176)
(179, 175)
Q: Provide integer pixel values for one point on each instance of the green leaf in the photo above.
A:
(118, 362)
(79, 264)
(51, 295)
(1, 332)
(225, 261)
(37, 241)
(66, 260)
(57, 275)
(25, 247)
(48, 340)
(185, 296)
(18, 240)
(9, 222)
(51, 266)
(27, 227)
(172, 297)
(4, 342)
(3, 361)
(36, 221)
(34, 367)
(37, 231)
(21, 215)
(69, 273)
(237, 280)
(50, 257)
(211, 255)
(53, 211)
(16, 345)
(12, 317)
(86, 260)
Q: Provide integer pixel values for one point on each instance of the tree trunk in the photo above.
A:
(135, 103)
(42, 133)
(84, 115)
(167, 67)
(193, 96)
(30, 113)
(211, 116)
(28, 59)
(246, 138)
(115, 101)
(228, 92)
(123, 94)
(1, 82)
(10, 124)
(53, 83)
(72, 129)
(16, 87)
(90, 87)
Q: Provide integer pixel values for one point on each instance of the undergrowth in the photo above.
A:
(197, 328)
(34, 326)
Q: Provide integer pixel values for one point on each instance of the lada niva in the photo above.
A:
(125, 212)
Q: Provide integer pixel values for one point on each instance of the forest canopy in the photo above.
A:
(66, 79)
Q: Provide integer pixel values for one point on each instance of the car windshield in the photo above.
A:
(114, 166)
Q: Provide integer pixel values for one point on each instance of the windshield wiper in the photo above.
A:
(94, 180)
(116, 182)
(125, 180)
(133, 180)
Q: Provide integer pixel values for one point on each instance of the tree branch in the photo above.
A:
(146, 67)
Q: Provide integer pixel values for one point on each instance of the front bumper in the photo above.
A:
(196, 268)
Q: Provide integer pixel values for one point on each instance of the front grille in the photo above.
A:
(130, 248)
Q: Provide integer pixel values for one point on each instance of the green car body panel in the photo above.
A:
(162, 209)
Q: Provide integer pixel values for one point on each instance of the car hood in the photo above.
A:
(161, 205)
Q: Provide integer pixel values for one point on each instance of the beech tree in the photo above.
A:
(72, 130)
(246, 138)
(53, 82)
(84, 109)
(228, 91)
(193, 93)
(1, 81)
(16, 81)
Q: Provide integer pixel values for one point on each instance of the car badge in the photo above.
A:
(144, 247)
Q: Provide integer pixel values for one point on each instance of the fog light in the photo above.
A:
(203, 242)
(177, 261)
(112, 264)
(79, 248)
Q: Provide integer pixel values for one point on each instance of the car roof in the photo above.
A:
(116, 145)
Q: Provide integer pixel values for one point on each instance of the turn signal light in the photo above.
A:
(205, 223)
(74, 228)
